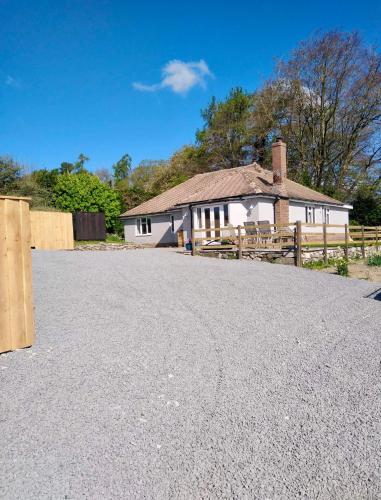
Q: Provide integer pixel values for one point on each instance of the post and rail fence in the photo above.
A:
(296, 236)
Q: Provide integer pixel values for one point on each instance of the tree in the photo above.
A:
(367, 207)
(104, 175)
(85, 192)
(10, 173)
(79, 165)
(122, 168)
(66, 168)
(28, 186)
(45, 178)
(326, 104)
(227, 138)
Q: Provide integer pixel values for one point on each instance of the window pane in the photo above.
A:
(226, 215)
(207, 221)
(149, 226)
(217, 219)
(138, 226)
(144, 226)
(199, 226)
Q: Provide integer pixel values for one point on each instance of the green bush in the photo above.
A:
(374, 260)
(342, 267)
(84, 192)
(114, 238)
(315, 264)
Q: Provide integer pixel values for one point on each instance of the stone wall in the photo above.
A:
(315, 254)
(287, 256)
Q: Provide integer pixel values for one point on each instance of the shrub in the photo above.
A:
(84, 192)
(342, 267)
(315, 264)
(374, 260)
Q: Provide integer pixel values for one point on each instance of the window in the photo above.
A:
(172, 222)
(326, 215)
(310, 215)
(226, 215)
(143, 226)
(207, 221)
(199, 223)
(217, 220)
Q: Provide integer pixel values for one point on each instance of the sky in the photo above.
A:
(109, 77)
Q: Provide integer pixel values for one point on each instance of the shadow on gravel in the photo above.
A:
(375, 295)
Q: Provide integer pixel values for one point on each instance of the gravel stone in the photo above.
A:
(159, 375)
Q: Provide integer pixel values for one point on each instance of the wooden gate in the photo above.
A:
(16, 303)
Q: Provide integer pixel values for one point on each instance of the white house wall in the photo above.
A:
(161, 233)
(247, 210)
(337, 215)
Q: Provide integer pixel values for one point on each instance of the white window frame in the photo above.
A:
(199, 215)
(172, 223)
(139, 226)
(310, 214)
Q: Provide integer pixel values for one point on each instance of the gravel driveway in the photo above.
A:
(158, 375)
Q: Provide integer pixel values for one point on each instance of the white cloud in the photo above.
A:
(12, 82)
(179, 76)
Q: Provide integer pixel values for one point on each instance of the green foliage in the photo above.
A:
(114, 238)
(226, 139)
(342, 267)
(315, 264)
(367, 207)
(77, 167)
(85, 192)
(374, 260)
(28, 186)
(10, 174)
(122, 168)
(45, 178)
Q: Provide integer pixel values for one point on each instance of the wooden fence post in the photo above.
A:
(362, 242)
(377, 239)
(239, 243)
(193, 251)
(298, 242)
(325, 252)
(346, 242)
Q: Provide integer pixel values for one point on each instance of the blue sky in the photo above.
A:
(87, 76)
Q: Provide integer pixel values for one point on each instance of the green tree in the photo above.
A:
(79, 165)
(10, 174)
(45, 178)
(28, 186)
(85, 192)
(367, 207)
(122, 168)
(227, 139)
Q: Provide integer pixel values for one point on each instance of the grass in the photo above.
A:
(374, 260)
(319, 264)
(110, 238)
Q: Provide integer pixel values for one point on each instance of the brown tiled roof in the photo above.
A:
(229, 183)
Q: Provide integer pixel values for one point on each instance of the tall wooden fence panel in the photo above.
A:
(52, 230)
(16, 303)
(89, 226)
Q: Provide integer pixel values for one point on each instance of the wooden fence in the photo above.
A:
(16, 304)
(89, 226)
(296, 236)
(52, 230)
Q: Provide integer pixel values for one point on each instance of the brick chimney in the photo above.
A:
(279, 161)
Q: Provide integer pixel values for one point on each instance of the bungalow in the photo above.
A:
(233, 196)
